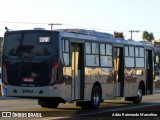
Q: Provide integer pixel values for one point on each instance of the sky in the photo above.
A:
(101, 15)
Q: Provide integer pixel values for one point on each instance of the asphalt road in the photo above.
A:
(111, 109)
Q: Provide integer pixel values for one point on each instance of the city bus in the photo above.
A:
(75, 65)
(157, 58)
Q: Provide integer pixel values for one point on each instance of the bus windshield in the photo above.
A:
(28, 44)
(28, 56)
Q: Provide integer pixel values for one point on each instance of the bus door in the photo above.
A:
(118, 72)
(149, 73)
(77, 88)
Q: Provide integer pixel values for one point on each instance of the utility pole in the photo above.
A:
(132, 31)
(52, 24)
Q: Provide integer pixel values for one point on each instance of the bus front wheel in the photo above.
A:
(47, 103)
(50, 106)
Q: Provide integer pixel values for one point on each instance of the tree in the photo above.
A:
(118, 34)
(146, 36)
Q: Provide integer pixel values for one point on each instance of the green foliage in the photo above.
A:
(146, 36)
(118, 34)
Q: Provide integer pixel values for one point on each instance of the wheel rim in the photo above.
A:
(96, 98)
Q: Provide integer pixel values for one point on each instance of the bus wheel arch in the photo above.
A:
(140, 92)
(97, 86)
(142, 84)
(50, 102)
(96, 96)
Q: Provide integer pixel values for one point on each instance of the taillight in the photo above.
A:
(54, 74)
(4, 90)
(4, 74)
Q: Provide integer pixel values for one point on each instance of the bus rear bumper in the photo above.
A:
(61, 91)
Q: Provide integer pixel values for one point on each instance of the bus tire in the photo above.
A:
(55, 105)
(95, 100)
(138, 98)
(47, 103)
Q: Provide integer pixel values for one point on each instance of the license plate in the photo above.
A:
(28, 80)
(27, 91)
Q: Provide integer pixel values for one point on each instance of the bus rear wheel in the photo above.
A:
(138, 98)
(95, 100)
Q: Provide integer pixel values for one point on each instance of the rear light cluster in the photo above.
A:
(4, 90)
(4, 74)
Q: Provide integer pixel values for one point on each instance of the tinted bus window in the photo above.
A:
(28, 44)
(12, 44)
(65, 50)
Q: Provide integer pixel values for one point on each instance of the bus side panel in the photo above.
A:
(61, 90)
(88, 91)
(104, 77)
(132, 89)
(133, 77)
(129, 89)
(107, 91)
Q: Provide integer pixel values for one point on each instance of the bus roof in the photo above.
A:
(100, 36)
(93, 35)
(87, 32)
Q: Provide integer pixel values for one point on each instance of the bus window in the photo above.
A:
(108, 49)
(12, 45)
(141, 51)
(92, 59)
(126, 51)
(95, 48)
(102, 49)
(28, 58)
(106, 55)
(139, 57)
(131, 51)
(140, 62)
(27, 45)
(136, 52)
(65, 48)
(88, 47)
(129, 56)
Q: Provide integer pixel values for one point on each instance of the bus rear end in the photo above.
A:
(29, 63)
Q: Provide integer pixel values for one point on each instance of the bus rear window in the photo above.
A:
(27, 44)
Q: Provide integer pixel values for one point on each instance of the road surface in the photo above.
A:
(150, 105)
